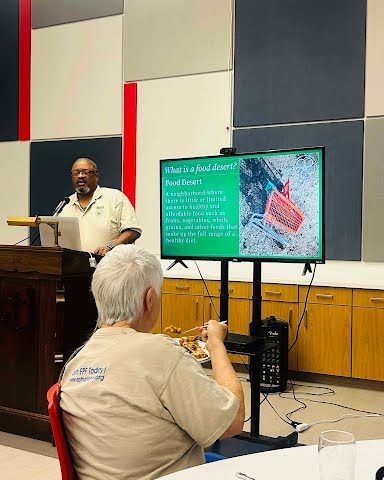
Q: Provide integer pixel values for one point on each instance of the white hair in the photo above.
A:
(121, 281)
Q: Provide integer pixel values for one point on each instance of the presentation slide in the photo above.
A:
(255, 206)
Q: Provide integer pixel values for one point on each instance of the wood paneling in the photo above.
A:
(327, 295)
(279, 293)
(182, 286)
(325, 340)
(367, 343)
(185, 311)
(368, 298)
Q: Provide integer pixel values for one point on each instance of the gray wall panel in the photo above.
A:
(53, 160)
(9, 67)
(373, 193)
(299, 60)
(343, 143)
(167, 38)
(55, 12)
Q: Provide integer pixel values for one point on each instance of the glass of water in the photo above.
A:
(337, 455)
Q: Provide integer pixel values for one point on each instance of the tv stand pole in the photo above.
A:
(255, 329)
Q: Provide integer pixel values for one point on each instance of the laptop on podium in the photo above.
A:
(69, 232)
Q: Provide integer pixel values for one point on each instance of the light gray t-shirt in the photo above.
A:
(138, 406)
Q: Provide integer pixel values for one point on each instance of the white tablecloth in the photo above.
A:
(298, 463)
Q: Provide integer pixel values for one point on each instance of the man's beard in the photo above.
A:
(83, 190)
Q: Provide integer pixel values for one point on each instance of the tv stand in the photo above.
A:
(175, 262)
(254, 346)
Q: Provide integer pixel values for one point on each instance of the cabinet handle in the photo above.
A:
(210, 311)
(323, 295)
(182, 287)
(290, 312)
(377, 299)
(230, 290)
(272, 292)
(306, 319)
(197, 312)
(59, 358)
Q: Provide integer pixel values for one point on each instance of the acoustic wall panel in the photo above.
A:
(51, 163)
(54, 12)
(177, 117)
(343, 143)
(14, 191)
(375, 65)
(166, 38)
(373, 192)
(299, 61)
(77, 79)
(9, 67)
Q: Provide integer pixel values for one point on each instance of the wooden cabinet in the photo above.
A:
(367, 334)
(281, 301)
(324, 344)
(182, 303)
(340, 333)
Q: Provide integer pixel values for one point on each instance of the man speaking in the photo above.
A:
(106, 216)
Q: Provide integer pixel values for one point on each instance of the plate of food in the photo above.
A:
(195, 347)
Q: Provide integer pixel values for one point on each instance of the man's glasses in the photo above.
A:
(83, 171)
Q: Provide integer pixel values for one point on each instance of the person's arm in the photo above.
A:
(127, 236)
(223, 372)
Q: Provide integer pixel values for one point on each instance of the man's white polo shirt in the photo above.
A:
(109, 213)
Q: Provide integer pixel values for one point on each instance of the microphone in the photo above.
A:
(60, 206)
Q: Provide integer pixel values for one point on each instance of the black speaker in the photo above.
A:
(274, 362)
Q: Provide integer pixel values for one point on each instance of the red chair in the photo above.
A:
(64, 453)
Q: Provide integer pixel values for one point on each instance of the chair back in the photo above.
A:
(68, 471)
(380, 474)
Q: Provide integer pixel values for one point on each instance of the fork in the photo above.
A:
(194, 328)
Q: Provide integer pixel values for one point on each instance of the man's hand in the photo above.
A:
(214, 332)
(102, 250)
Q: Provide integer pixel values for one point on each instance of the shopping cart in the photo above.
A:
(281, 215)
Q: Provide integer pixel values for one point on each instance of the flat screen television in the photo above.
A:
(266, 206)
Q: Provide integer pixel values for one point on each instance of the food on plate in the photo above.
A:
(191, 344)
(172, 329)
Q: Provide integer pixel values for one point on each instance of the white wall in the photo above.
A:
(14, 191)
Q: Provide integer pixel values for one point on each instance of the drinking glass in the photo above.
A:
(337, 455)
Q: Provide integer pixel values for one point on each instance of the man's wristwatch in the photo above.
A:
(110, 246)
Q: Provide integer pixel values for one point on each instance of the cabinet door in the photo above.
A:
(185, 311)
(287, 312)
(325, 340)
(367, 343)
(238, 313)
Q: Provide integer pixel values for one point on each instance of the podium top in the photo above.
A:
(53, 261)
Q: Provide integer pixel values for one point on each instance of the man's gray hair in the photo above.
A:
(121, 281)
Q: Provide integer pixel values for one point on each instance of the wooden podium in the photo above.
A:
(46, 312)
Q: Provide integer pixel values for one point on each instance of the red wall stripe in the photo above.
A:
(129, 141)
(24, 69)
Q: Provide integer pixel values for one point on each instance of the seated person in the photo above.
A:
(138, 405)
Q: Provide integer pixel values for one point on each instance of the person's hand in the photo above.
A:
(102, 250)
(214, 332)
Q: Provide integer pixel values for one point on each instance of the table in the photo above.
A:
(297, 463)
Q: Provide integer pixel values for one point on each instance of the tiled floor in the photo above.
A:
(27, 459)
